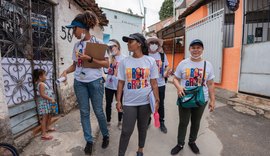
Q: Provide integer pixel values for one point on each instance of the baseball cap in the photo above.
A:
(136, 36)
(196, 42)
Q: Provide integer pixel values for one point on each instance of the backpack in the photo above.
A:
(163, 60)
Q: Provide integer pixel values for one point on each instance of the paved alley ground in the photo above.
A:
(224, 132)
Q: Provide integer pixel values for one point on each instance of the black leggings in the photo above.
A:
(109, 93)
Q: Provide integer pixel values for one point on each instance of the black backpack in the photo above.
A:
(163, 60)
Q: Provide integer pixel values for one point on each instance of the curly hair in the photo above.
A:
(88, 18)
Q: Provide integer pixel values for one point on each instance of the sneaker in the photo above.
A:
(105, 142)
(139, 153)
(88, 148)
(119, 125)
(163, 127)
(176, 149)
(194, 148)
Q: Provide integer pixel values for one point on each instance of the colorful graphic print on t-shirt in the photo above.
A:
(137, 78)
(113, 69)
(160, 67)
(194, 76)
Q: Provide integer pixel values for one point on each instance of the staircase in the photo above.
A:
(251, 105)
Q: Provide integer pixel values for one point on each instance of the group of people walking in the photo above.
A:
(130, 80)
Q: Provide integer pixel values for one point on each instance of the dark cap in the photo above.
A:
(77, 24)
(136, 36)
(196, 42)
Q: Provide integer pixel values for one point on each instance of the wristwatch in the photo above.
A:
(90, 60)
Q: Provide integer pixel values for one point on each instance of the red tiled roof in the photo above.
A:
(93, 6)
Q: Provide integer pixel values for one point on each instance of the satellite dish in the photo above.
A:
(232, 5)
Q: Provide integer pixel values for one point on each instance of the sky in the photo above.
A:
(152, 7)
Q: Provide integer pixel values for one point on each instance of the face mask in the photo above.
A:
(196, 58)
(82, 36)
(113, 53)
(153, 47)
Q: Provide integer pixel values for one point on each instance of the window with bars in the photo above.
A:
(257, 19)
(228, 28)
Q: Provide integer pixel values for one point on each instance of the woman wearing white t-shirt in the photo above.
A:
(88, 82)
(190, 72)
(111, 80)
(137, 76)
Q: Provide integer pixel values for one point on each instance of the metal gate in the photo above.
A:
(210, 31)
(255, 64)
(26, 42)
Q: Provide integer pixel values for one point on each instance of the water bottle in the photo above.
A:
(61, 79)
(156, 120)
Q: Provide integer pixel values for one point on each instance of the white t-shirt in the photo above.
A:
(161, 67)
(191, 74)
(137, 72)
(112, 81)
(90, 74)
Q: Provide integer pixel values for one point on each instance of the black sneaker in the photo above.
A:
(105, 142)
(176, 149)
(163, 127)
(88, 148)
(139, 153)
(194, 148)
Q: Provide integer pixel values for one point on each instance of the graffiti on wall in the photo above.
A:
(66, 34)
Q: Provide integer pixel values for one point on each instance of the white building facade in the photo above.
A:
(121, 24)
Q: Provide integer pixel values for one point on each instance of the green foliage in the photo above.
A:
(166, 9)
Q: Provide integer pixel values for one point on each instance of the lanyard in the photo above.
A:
(80, 52)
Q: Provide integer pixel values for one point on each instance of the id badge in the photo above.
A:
(82, 75)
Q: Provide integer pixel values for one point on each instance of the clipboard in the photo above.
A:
(95, 50)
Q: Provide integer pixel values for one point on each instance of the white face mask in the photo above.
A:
(113, 53)
(153, 47)
(196, 58)
(82, 36)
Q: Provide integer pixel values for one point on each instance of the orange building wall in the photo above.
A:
(177, 59)
(232, 56)
(197, 15)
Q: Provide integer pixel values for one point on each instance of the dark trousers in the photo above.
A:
(132, 114)
(161, 109)
(186, 114)
(109, 93)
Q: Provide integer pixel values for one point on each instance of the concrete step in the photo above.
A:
(251, 105)
(254, 99)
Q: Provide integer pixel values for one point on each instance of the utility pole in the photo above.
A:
(144, 12)
(173, 10)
